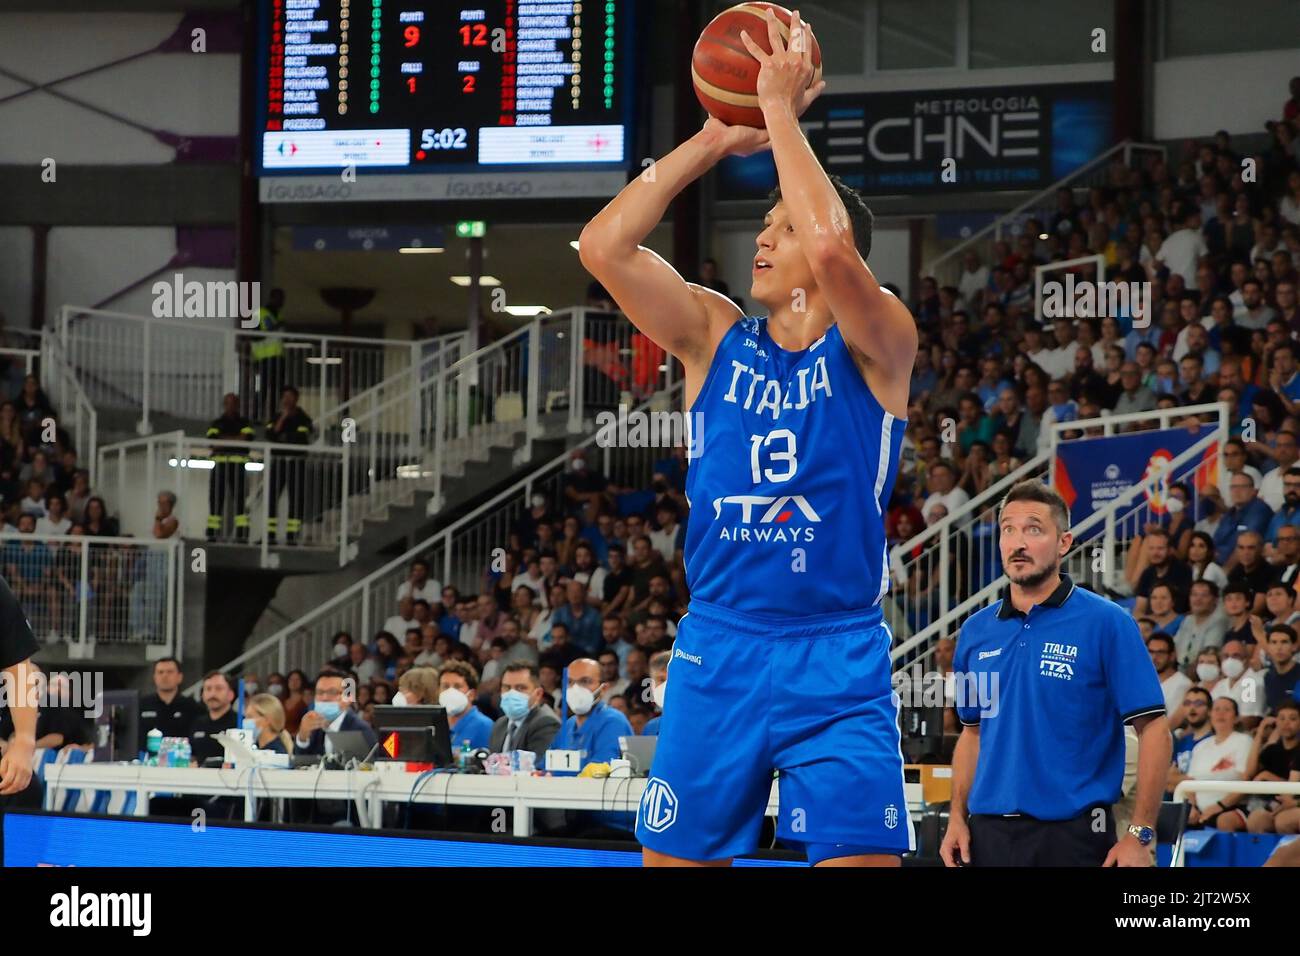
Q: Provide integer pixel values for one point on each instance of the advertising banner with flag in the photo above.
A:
(1090, 473)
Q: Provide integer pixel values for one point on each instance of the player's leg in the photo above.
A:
(836, 742)
(711, 777)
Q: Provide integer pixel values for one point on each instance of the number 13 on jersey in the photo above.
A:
(784, 453)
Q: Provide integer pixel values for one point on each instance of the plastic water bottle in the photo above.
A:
(153, 742)
(187, 752)
(465, 752)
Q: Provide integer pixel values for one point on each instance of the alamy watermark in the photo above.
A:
(82, 690)
(637, 429)
(929, 688)
(179, 299)
(1084, 299)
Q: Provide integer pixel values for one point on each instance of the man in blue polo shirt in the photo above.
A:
(1039, 767)
(593, 727)
(458, 693)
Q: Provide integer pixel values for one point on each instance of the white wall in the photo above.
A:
(1195, 96)
(89, 263)
(201, 89)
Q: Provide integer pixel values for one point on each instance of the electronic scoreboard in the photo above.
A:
(393, 99)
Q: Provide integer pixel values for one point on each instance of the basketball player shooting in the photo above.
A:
(782, 662)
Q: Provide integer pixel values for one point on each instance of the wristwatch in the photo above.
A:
(1144, 834)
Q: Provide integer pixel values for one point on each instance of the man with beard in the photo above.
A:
(1040, 760)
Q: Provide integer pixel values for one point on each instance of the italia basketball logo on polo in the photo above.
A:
(658, 806)
(1058, 661)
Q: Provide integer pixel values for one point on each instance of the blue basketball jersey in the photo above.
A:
(792, 464)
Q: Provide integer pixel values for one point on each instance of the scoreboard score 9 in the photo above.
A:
(440, 86)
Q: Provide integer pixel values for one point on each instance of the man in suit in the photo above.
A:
(528, 724)
(332, 711)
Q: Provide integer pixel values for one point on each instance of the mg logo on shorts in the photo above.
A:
(891, 816)
(658, 806)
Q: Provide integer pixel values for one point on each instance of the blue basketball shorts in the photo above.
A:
(808, 697)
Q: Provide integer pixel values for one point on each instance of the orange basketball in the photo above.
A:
(726, 74)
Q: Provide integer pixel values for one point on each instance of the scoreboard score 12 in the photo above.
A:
(441, 86)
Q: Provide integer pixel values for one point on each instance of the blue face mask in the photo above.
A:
(329, 709)
(515, 704)
(251, 725)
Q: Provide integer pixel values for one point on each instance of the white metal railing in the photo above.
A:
(1093, 561)
(73, 409)
(928, 572)
(148, 366)
(423, 427)
(458, 555)
(96, 590)
(438, 354)
(1248, 787)
(946, 267)
(290, 495)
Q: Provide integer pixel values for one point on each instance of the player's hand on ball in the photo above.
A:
(784, 74)
(737, 140)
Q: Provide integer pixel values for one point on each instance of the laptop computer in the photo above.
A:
(348, 744)
(639, 752)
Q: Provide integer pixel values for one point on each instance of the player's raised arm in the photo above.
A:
(686, 319)
(873, 322)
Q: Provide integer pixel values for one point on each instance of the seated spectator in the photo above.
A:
(331, 711)
(560, 650)
(1249, 568)
(34, 503)
(549, 676)
(614, 685)
(341, 648)
(1204, 625)
(55, 520)
(33, 408)
(403, 619)
(98, 523)
(429, 655)
(658, 690)
(526, 723)
(418, 687)
(581, 619)
(264, 715)
(592, 727)
(1191, 725)
(1162, 614)
(1158, 563)
(1281, 677)
(1279, 606)
(1244, 624)
(385, 657)
(418, 585)
(362, 664)
(78, 495)
(1274, 755)
(219, 715)
(1173, 682)
(1200, 560)
(1240, 682)
(1223, 755)
(29, 570)
(942, 482)
(458, 693)
(1288, 515)
(1247, 514)
(38, 469)
(297, 699)
(1235, 462)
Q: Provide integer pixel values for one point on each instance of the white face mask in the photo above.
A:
(580, 699)
(340, 650)
(275, 689)
(1174, 505)
(1207, 671)
(399, 699)
(1232, 668)
(538, 501)
(250, 687)
(454, 700)
(657, 692)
